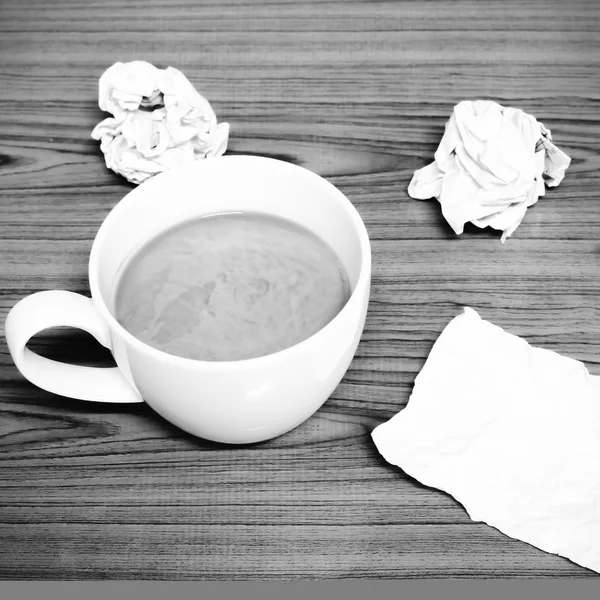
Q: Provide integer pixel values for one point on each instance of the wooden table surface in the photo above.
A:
(358, 92)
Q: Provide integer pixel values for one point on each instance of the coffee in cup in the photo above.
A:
(230, 286)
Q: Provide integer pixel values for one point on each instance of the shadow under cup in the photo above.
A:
(247, 400)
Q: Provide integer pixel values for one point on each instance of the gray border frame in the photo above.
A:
(401, 589)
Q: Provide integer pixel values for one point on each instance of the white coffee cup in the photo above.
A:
(235, 401)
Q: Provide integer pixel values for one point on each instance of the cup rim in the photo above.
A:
(93, 266)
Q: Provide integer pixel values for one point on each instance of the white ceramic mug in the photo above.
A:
(235, 401)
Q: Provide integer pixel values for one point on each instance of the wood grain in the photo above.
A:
(358, 92)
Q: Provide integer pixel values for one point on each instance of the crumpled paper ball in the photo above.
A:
(159, 121)
(490, 166)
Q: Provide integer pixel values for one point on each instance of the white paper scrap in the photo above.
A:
(511, 431)
(490, 166)
(159, 121)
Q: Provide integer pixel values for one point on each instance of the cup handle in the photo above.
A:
(43, 310)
